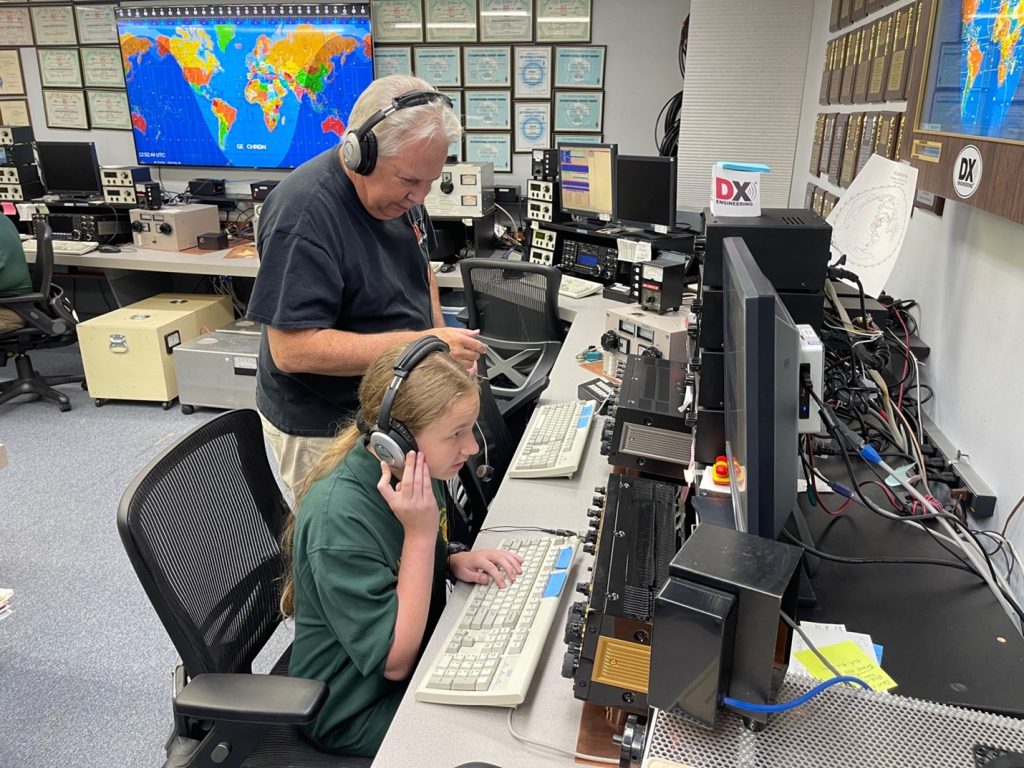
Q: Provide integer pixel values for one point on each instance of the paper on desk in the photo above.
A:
(870, 220)
(633, 251)
(849, 659)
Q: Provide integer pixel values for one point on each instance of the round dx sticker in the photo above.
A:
(967, 171)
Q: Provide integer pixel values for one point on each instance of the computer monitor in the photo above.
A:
(588, 179)
(762, 356)
(69, 168)
(645, 190)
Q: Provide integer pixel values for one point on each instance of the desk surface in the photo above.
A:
(191, 262)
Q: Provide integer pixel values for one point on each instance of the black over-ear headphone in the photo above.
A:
(391, 439)
(359, 148)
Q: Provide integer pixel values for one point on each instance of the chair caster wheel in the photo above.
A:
(100, 402)
(188, 410)
(166, 405)
(85, 386)
(64, 406)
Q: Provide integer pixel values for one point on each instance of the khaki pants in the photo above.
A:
(296, 455)
(10, 320)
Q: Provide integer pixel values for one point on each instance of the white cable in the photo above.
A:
(519, 737)
(515, 225)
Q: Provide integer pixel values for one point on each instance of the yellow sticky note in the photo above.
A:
(849, 660)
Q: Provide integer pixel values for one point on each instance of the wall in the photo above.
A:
(966, 270)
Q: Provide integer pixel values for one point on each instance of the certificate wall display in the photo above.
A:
(15, 27)
(532, 65)
(819, 132)
(397, 21)
(826, 73)
(15, 112)
(848, 169)
(902, 48)
(563, 21)
(880, 60)
(809, 195)
(835, 158)
(860, 77)
(109, 109)
(488, 110)
(65, 109)
(835, 82)
(494, 148)
(487, 66)
(54, 25)
(12, 82)
(455, 149)
(394, 60)
(532, 125)
(96, 24)
(850, 67)
(826, 142)
(579, 66)
(868, 134)
(885, 139)
(450, 21)
(439, 66)
(102, 67)
(59, 67)
(506, 21)
(576, 138)
(581, 112)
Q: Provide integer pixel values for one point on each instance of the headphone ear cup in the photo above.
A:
(350, 153)
(392, 446)
(402, 437)
(367, 154)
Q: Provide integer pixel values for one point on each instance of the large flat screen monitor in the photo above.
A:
(645, 190)
(762, 357)
(588, 179)
(243, 86)
(69, 168)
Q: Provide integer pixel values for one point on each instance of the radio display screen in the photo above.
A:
(586, 258)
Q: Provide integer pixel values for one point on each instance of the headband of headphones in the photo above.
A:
(359, 147)
(412, 356)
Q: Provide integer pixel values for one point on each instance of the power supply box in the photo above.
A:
(123, 176)
(464, 190)
(174, 228)
(631, 331)
(217, 370)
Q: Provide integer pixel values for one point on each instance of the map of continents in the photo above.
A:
(991, 64)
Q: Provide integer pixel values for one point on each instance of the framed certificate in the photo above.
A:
(455, 148)
(54, 25)
(450, 21)
(397, 21)
(439, 66)
(506, 21)
(563, 21)
(532, 125)
(577, 138)
(96, 24)
(532, 65)
(15, 112)
(15, 27)
(487, 66)
(109, 109)
(65, 109)
(578, 111)
(494, 148)
(102, 67)
(488, 110)
(579, 66)
(393, 60)
(59, 67)
(12, 81)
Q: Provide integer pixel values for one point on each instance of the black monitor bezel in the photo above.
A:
(41, 147)
(586, 146)
(669, 221)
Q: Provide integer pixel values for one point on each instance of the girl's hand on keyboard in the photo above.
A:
(482, 565)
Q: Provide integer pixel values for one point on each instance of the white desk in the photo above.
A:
(441, 735)
(149, 260)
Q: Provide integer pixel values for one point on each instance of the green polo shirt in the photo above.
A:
(348, 548)
(14, 276)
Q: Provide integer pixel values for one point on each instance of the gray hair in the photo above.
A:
(405, 126)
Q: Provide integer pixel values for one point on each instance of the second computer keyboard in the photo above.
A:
(490, 656)
(552, 445)
(577, 288)
(67, 247)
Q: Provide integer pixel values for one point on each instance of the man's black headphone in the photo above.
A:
(391, 439)
(359, 148)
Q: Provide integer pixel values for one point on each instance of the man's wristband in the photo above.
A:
(454, 547)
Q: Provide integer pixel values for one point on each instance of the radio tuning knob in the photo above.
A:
(165, 229)
(136, 226)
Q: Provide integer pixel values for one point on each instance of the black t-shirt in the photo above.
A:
(326, 263)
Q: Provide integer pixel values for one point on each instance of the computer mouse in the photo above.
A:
(450, 268)
(108, 249)
(476, 764)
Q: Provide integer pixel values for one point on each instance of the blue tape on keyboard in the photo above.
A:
(555, 583)
(564, 558)
(585, 414)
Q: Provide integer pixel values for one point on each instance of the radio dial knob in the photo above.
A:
(165, 229)
(136, 226)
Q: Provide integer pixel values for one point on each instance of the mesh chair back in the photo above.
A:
(42, 268)
(514, 300)
(201, 526)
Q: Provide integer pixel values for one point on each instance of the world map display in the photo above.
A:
(260, 92)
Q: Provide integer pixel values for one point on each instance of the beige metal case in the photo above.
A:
(206, 312)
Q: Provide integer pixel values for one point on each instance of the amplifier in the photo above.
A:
(541, 190)
(16, 134)
(631, 331)
(594, 262)
(119, 195)
(17, 154)
(464, 190)
(542, 246)
(19, 192)
(19, 174)
(90, 227)
(124, 176)
(175, 228)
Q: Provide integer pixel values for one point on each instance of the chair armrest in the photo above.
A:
(27, 306)
(245, 698)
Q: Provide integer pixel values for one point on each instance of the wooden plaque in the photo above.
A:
(872, 5)
(835, 158)
(848, 170)
(826, 142)
(885, 139)
(899, 64)
(868, 134)
(858, 10)
(860, 77)
(827, 204)
(850, 67)
(844, 13)
(838, 57)
(819, 131)
(818, 200)
(833, 17)
(916, 51)
(901, 120)
(826, 73)
(880, 64)
(809, 196)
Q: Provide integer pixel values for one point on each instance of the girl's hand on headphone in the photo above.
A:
(482, 565)
(412, 500)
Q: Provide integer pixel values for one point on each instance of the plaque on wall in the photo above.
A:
(868, 134)
(835, 158)
(880, 63)
(818, 200)
(917, 51)
(809, 196)
(819, 130)
(833, 17)
(860, 77)
(826, 142)
(899, 64)
(826, 73)
(836, 81)
(857, 11)
(901, 120)
(851, 148)
(870, 6)
(850, 67)
(828, 202)
(844, 13)
(885, 140)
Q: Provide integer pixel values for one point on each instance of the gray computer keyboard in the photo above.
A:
(552, 445)
(490, 656)
(68, 247)
(577, 288)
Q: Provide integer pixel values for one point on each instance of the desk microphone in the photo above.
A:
(485, 472)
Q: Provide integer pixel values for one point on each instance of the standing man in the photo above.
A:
(14, 276)
(344, 244)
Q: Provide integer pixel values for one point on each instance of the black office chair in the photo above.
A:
(49, 322)
(514, 304)
(201, 526)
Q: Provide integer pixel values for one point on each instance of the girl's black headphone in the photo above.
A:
(359, 147)
(391, 440)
